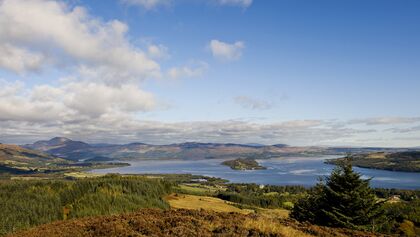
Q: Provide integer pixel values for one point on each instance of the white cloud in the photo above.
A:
(18, 104)
(147, 4)
(152, 4)
(194, 69)
(71, 101)
(18, 59)
(240, 3)
(252, 103)
(32, 31)
(94, 99)
(157, 51)
(121, 128)
(225, 51)
(386, 120)
(101, 113)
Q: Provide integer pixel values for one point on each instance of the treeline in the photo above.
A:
(406, 195)
(28, 203)
(402, 218)
(269, 196)
(261, 189)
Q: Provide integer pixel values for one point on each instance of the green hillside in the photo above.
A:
(399, 161)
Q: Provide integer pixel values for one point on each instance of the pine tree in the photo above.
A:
(343, 199)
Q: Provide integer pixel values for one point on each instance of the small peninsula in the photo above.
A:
(244, 164)
(398, 161)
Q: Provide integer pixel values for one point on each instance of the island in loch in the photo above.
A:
(244, 164)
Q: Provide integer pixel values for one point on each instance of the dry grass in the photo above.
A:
(184, 223)
(200, 188)
(273, 213)
(270, 225)
(82, 175)
(377, 155)
(193, 202)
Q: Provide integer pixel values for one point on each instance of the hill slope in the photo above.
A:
(408, 161)
(77, 150)
(153, 222)
(16, 159)
(59, 146)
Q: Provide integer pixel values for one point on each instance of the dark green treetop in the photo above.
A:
(343, 199)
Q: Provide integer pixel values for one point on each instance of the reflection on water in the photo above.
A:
(281, 171)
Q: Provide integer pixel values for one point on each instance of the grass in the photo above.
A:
(192, 202)
(199, 189)
(273, 213)
(377, 155)
(79, 175)
(269, 225)
(266, 222)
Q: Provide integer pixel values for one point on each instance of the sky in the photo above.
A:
(299, 72)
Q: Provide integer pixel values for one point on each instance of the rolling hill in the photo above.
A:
(408, 161)
(59, 146)
(77, 150)
(16, 159)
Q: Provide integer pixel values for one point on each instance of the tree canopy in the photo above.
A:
(342, 199)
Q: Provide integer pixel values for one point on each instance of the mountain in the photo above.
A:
(59, 146)
(77, 150)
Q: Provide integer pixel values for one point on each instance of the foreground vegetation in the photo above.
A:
(345, 200)
(408, 161)
(262, 209)
(167, 223)
(25, 204)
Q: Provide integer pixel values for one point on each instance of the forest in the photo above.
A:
(28, 203)
(25, 204)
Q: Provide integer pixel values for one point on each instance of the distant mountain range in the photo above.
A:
(78, 150)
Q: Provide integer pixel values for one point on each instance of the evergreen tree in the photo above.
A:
(343, 199)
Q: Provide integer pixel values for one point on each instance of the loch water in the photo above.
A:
(304, 171)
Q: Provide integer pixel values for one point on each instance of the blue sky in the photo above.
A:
(300, 72)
